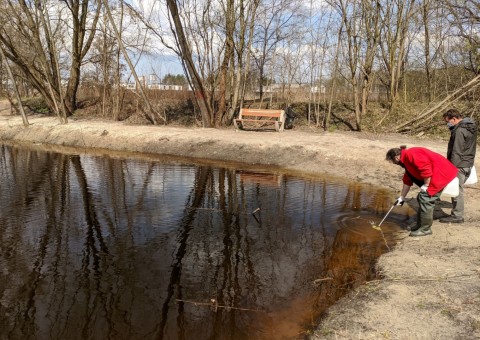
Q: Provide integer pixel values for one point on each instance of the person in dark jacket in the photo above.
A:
(431, 172)
(461, 152)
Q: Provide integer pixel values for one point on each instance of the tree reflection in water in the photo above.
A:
(103, 247)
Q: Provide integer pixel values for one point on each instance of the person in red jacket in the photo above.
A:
(431, 172)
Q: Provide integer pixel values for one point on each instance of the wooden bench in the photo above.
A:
(259, 118)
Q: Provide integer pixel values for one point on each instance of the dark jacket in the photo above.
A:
(463, 143)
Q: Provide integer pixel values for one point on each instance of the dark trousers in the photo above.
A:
(426, 205)
(458, 204)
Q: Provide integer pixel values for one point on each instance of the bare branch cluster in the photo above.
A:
(249, 52)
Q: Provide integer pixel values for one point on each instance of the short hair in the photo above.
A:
(452, 113)
(392, 153)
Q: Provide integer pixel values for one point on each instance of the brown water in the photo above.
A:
(109, 248)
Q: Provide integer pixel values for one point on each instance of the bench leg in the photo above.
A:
(282, 121)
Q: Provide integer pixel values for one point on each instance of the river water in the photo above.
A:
(104, 247)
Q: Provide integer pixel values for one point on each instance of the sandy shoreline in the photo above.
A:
(431, 288)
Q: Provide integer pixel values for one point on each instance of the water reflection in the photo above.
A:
(101, 247)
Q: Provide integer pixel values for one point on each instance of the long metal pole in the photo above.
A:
(386, 215)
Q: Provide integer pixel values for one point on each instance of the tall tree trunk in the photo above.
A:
(118, 88)
(371, 20)
(239, 74)
(227, 61)
(428, 74)
(251, 30)
(62, 111)
(187, 60)
(395, 26)
(15, 88)
(328, 116)
(356, 100)
(80, 46)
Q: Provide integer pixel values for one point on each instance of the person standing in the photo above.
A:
(461, 152)
(431, 172)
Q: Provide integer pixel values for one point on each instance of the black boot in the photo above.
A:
(452, 219)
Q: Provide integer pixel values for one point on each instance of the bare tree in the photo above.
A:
(326, 122)
(185, 52)
(118, 68)
(434, 39)
(370, 36)
(276, 20)
(244, 31)
(150, 113)
(54, 57)
(83, 33)
(25, 45)
(32, 40)
(466, 18)
(318, 40)
(394, 43)
(227, 61)
(211, 40)
(428, 62)
(15, 88)
(350, 13)
(361, 33)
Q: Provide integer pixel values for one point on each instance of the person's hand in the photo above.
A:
(399, 201)
(424, 188)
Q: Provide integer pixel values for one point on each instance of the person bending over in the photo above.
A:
(431, 172)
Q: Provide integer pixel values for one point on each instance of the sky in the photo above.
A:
(160, 65)
(160, 61)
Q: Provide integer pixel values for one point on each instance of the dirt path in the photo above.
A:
(431, 288)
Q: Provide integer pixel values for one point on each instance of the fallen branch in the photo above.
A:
(414, 123)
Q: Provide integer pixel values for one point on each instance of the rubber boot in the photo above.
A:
(426, 204)
(422, 231)
(415, 226)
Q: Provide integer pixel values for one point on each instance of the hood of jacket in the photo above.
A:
(467, 123)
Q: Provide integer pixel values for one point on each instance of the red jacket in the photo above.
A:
(423, 163)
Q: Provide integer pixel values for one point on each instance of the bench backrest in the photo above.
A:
(261, 113)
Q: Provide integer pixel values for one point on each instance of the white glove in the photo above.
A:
(399, 201)
(424, 188)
